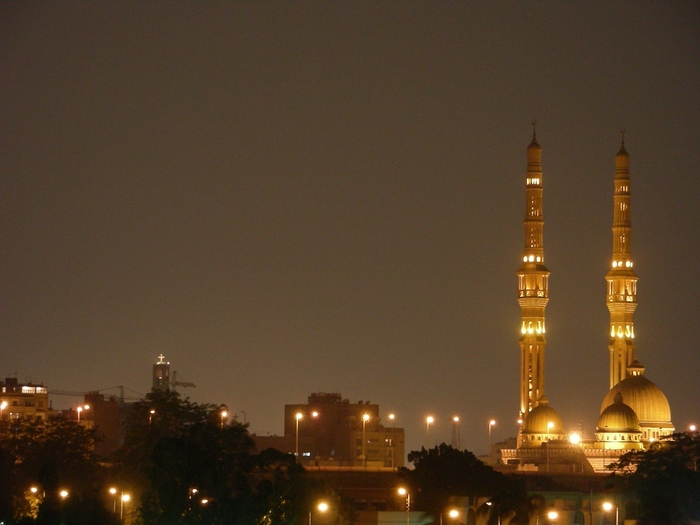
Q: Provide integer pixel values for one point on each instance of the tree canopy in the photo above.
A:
(663, 481)
(443, 472)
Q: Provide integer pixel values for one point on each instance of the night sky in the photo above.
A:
(287, 198)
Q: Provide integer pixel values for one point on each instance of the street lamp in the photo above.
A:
(365, 417)
(428, 421)
(224, 414)
(64, 494)
(552, 516)
(455, 433)
(692, 428)
(404, 492)
(498, 514)
(113, 492)
(80, 409)
(392, 418)
(3, 406)
(452, 514)
(550, 425)
(124, 499)
(321, 507)
(150, 416)
(608, 506)
(491, 424)
(297, 417)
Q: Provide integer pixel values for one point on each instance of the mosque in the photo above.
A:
(634, 412)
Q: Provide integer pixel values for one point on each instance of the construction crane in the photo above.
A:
(121, 397)
(175, 382)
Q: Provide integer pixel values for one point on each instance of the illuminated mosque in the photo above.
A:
(634, 412)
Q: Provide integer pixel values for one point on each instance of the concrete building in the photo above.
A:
(23, 400)
(329, 431)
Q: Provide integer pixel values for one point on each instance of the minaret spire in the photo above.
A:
(621, 279)
(533, 289)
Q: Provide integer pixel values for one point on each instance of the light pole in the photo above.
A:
(498, 514)
(455, 433)
(491, 424)
(549, 430)
(365, 417)
(552, 516)
(124, 499)
(452, 514)
(428, 421)
(80, 409)
(608, 506)
(297, 417)
(150, 416)
(113, 492)
(3, 406)
(404, 492)
(321, 507)
(224, 414)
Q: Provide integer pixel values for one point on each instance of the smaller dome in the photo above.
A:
(618, 417)
(543, 419)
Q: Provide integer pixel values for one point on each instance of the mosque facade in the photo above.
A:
(634, 411)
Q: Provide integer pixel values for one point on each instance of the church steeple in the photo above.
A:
(621, 279)
(533, 290)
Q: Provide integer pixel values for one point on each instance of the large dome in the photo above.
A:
(543, 419)
(644, 397)
(618, 417)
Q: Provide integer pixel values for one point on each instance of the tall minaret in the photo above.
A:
(622, 281)
(533, 291)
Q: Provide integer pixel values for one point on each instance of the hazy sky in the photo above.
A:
(285, 198)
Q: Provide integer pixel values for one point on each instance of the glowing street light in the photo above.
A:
(608, 506)
(150, 416)
(692, 428)
(552, 516)
(80, 409)
(124, 499)
(3, 406)
(491, 425)
(297, 417)
(392, 418)
(224, 415)
(455, 433)
(64, 494)
(365, 417)
(403, 491)
(428, 421)
(452, 514)
(321, 507)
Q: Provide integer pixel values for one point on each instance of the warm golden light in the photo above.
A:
(366, 417)
(298, 416)
(314, 414)
(402, 491)
(112, 490)
(33, 490)
(454, 513)
(322, 506)
(455, 419)
(607, 506)
(575, 438)
(63, 494)
(552, 514)
(430, 420)
(125, 498)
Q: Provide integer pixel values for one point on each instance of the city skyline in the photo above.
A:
(303, 197)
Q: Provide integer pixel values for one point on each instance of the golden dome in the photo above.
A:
(618, 417)
(644, 397)
(539, 419)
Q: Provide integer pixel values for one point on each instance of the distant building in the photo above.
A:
(23, 400)
(329, 431)
(161, 374)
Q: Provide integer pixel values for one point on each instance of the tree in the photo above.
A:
(50, 456)
(664, 479)
(443, 472)
(186, 466)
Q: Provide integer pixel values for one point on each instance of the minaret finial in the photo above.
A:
(622, 130)
(534, 129)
